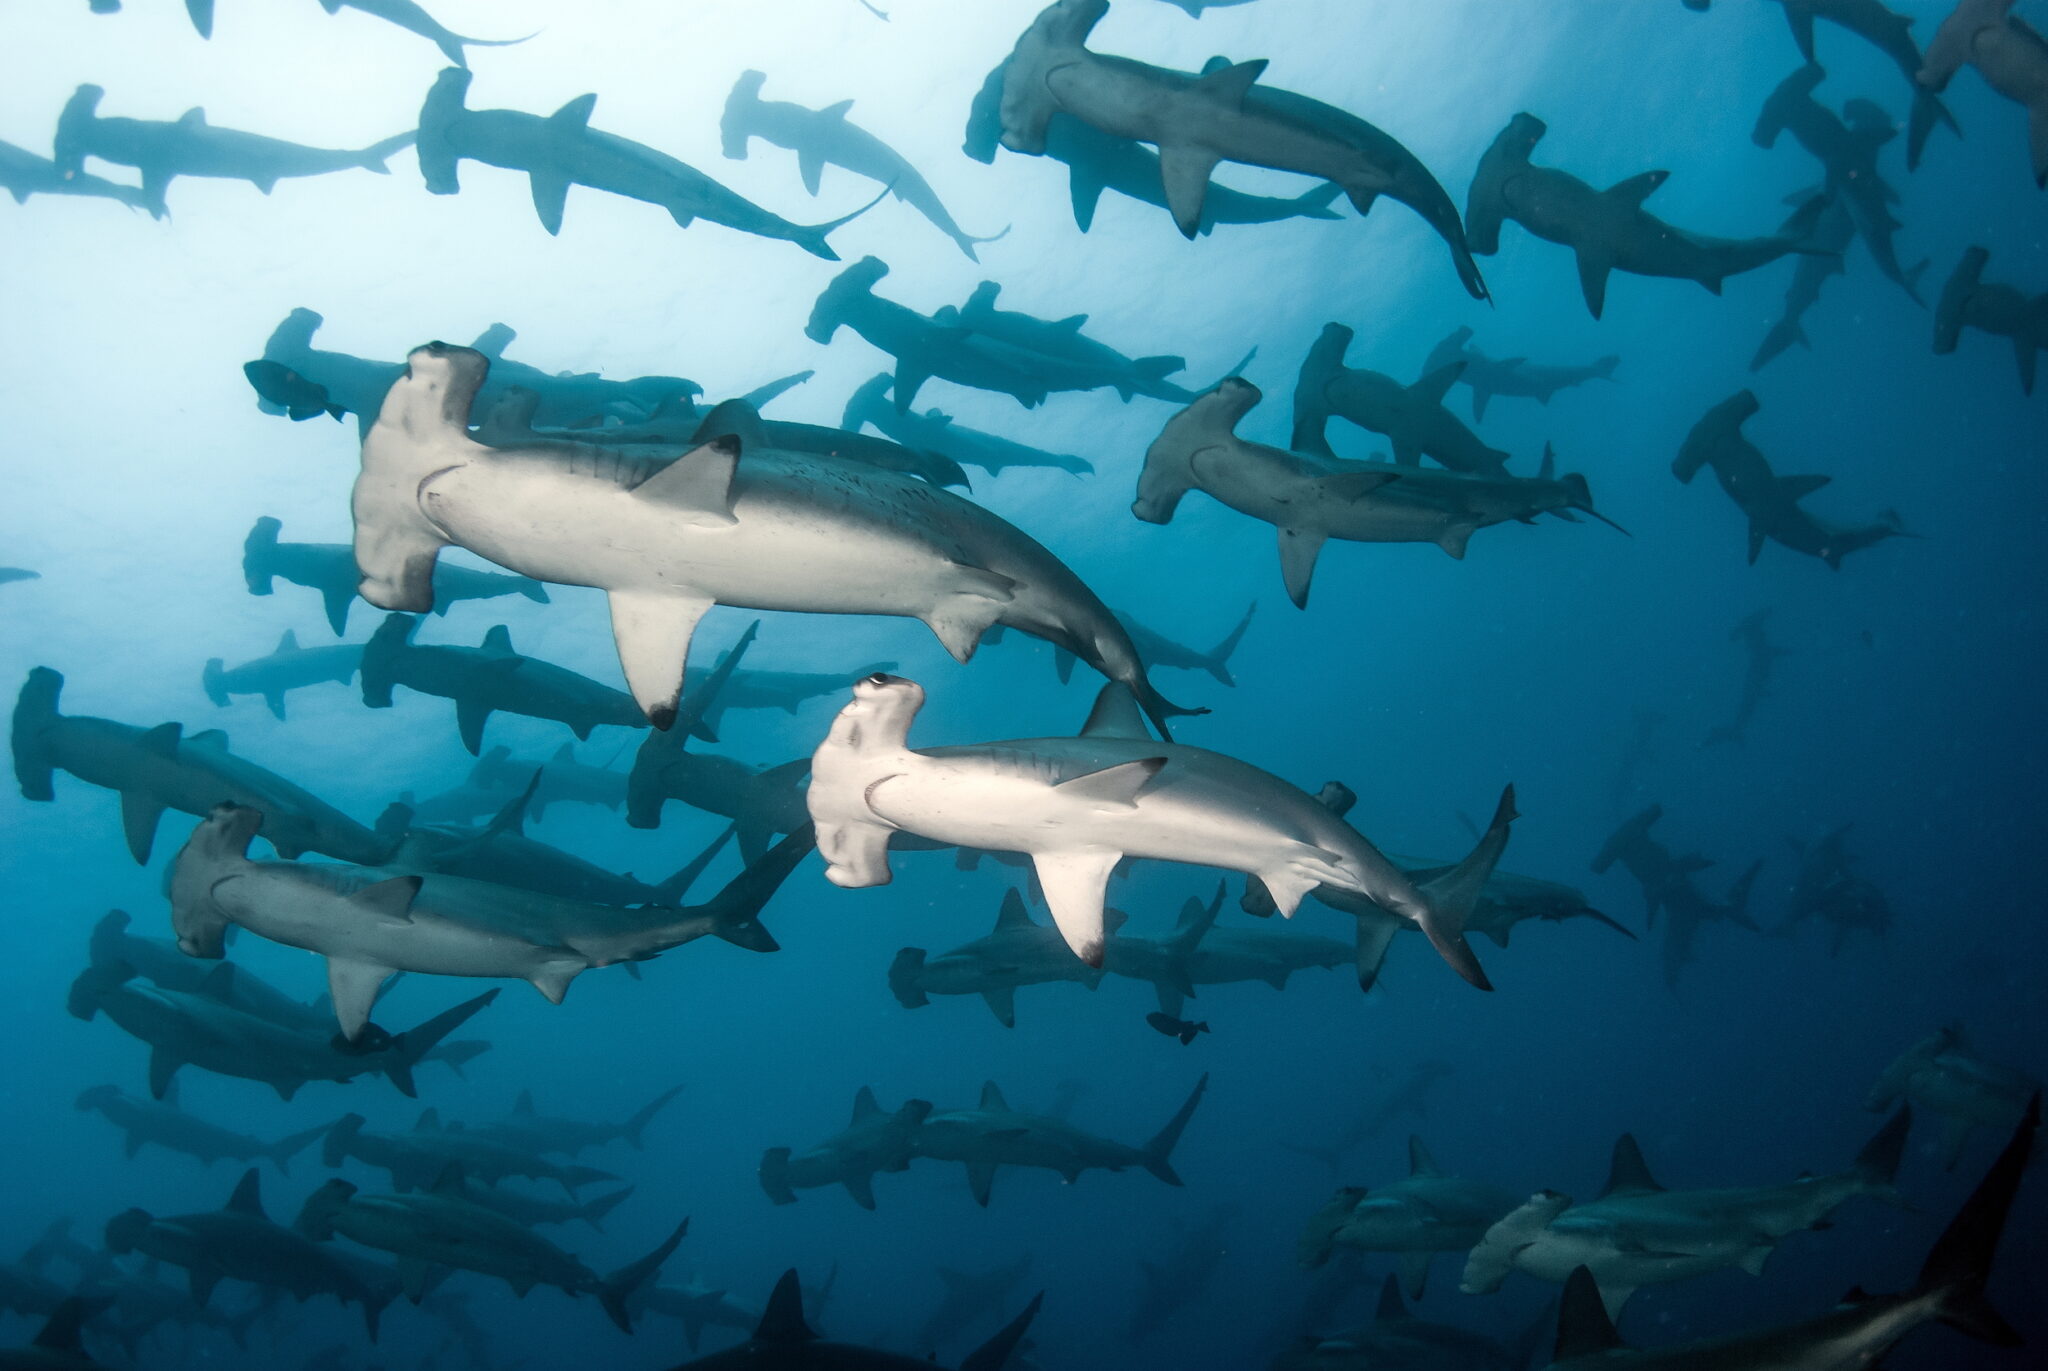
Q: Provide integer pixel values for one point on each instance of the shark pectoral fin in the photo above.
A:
(1753, 1261)
(353, 987)
(1454, 538)
(203, 1279)
(1799, 487)
(275, 699)
(336, 600)
(1184, 174)
(415, 1276)
(1085, 189)
(652, 630)
(1374, 936)
(1756, 541)
(1171, 1001)
(139, 815)
(1074, 883)
(1002, 1002)
(1113, 787)
(163, 1065)
(1299, 549)
(856, 853)
(860, 1185)
(131, 1143)
(1301, 873)
(2023, 350)
(1594, 264)
(981, 1178)
(811, 167)
(959, 617)
(470, 716)
(1415, 1273)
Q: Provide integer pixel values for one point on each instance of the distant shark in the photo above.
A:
(1969, 301)
(991, 1135)
(1943, 1075)
(1426, 1214)
(23, 173)
(1517, 377)
(1669, 888)
(330, 568)
(163, 1123)
(1018, 952)
(289, 667)
(937, 433)
(2007, 52)
(873, 1141)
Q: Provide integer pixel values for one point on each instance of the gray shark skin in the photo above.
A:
(1771, 502)
(1410, 1097)
(439, 1227)
(1198, 953)
(369, 922)
(936, 433)
(672, 432)
(486, 679)
(760, 802)
(1827, 887)
(822, 138)
(968, 1295)
(1832, 233)
(1182, 1275)
(1221, 115)
(560, 150)
(1397, 1338)
(1080, 805)
(788, 691)
(1857, 1334)
(1098, 161)
(500, 852)
(563, 780)
(698, 1306)
(1412, 418)
(1669, 888)
(2007, 52)
(1062, 341)
(873, 1141)
(1508, 900)
(143, 1122)
(926, 346)
(1311, 496)
(992, 1134)
(777, 530)
(1609, 230)
(330, 568)
(416, 1160)
(523, 1206)
(1638, 1233)
(410, 17)
(294, 377)
(1942, 1075)
(1969, 301)
(162, 151)
(1760, 660)
(23, 173)
(160, 768)
(784, 1339)
(1162, 651)
(240, 1242)
(206, 1029)
(1418, 1217)
(1517, 377)
(1018, 952)
(537, 1132)
(130, 1307)
(1847, 152)
(288, 668)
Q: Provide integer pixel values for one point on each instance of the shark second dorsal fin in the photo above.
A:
(1012, 914)
(992, 1098)
(865, 1105)
(1420, 1163)
(1583, 1328)
(248, 1196)
(783, 1324)
(1116, 715)
(1629, 1174)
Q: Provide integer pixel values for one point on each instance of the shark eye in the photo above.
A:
(880, 678)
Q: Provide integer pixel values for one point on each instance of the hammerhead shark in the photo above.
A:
(1969, 301)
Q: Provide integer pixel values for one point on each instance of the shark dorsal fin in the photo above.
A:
(1583, 1328)
(1116, 715)
(194, 116)
(865, 1105)
(1229, 84)
(60, 1333)
(783, 1323)
(430, 1121)
(733, 419)
(1549, 467)
(1012, 914)
(524, 1104)
(248, 1196)
(1637, 188)
(1438, 383)
(288, 643)
(163, 739)
(498, 642)
(1420, 1163)
(575, 114)
(1391, 1306)
(1799, 487)
(837, 111)
(1629, 1174)
(992, 1098)
(493, 341)
(1194, 911)
(565, 753)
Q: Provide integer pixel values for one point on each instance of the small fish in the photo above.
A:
(1183, 1029)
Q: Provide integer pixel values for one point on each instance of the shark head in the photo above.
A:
(880, 713)
(222, 839)
(733, 125)
(439, 387)
(846, 289)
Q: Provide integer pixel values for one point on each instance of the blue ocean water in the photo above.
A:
(1904, 703)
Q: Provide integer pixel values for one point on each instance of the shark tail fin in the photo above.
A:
(672, 890)
(409, 1048)
(903, 975)
(1878, 1162)
(620, 1285)
(1453, 896)
(1216, 661)
(340, 1134)
(374, 156)
(1160, 1149)
(735, 911)
(1737, 906)
(211, 680)
(1319, 1239)
(811, 237)
(1959, 1263)
(594, 1211)
(35, 711)
(1316, 202)
(994, 1354)
(284, 1149)
(636, 1126)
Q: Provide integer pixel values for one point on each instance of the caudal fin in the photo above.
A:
(1216, 661)
(594, 1211)
(409, 1048)
(1452, 896)
(735, 911)
(1959, 1263)
(637, 1125)
(284, 1149)
(994, 1354)
(1160, 1149)
(811, 237)
(374, 156)
(618, 1287)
